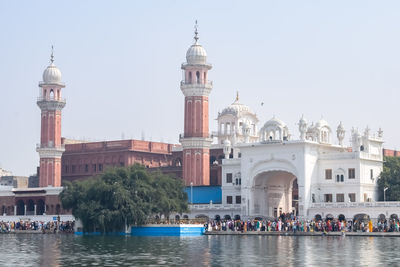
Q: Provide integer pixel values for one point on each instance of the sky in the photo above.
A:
(120, 61)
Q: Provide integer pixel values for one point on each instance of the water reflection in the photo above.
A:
(69, 250)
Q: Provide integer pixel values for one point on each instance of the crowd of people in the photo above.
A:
(291, 223)
(44, 227)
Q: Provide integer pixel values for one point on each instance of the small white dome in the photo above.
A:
(196, 54)
(275, 122)
(52, 74)
(322, 123)
(236, 108)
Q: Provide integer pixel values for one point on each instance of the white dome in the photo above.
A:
(196, 54)
(275, 122)
(322, 123)
(52, 74)
(236, 108)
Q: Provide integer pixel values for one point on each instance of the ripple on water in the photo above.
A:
(69, 250)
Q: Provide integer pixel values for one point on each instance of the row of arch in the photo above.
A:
(31, 207)
(357, 217)
(197, 77)
(51, 95)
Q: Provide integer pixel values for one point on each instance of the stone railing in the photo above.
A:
(61, 146)
(356, 204)
(207, 83)
(39, 99)
(365, 155)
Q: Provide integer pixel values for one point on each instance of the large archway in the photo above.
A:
(275, 192)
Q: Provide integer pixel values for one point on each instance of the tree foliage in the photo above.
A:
(123, 196)
(390, 178)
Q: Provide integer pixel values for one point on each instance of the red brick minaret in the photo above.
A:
(50, 148)
(196, 140)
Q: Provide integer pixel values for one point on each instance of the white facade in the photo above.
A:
(269, 172)
(280, 175)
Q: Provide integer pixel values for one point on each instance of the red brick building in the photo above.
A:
(83, 160)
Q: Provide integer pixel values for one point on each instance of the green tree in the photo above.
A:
(390, 178)
(123, 196)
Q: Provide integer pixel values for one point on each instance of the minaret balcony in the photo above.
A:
(187, 65)
(207, 84)
(40, 99)
(49, 146)
(50, 151)
(51, 103)
(196, 89)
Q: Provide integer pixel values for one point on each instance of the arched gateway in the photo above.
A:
(274, 193)
(274, 189)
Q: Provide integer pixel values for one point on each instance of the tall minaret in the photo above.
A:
(51, 104)
(196, 140)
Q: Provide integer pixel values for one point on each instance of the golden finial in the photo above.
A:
(237, 96)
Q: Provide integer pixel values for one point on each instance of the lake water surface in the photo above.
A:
(71, 250)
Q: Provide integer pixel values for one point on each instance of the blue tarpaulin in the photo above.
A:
(204, 194)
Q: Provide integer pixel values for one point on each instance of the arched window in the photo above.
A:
(222, 128)
(45, 94)
(51, 94)
(190, 77)
(58, 94)
(205, 77)
(197, 76)
(228, 128)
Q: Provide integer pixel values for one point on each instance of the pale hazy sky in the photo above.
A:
(121, 62)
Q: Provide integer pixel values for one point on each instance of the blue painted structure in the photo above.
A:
(204, 194)
(168, 230)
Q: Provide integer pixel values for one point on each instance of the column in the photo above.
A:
(24, 209)
(44, 209)
(34, 209)
(15, 210)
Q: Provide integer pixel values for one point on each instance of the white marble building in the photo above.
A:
(267, 172)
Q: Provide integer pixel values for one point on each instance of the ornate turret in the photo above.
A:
(340, 132)
(302, 127)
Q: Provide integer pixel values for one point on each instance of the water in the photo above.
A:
(70, 250)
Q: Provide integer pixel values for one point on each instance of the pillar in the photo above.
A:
(24, 209)
(15, 210)
(34, 209)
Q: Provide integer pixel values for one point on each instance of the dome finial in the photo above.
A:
(52, 54)
(237, 96)
(196, 38)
